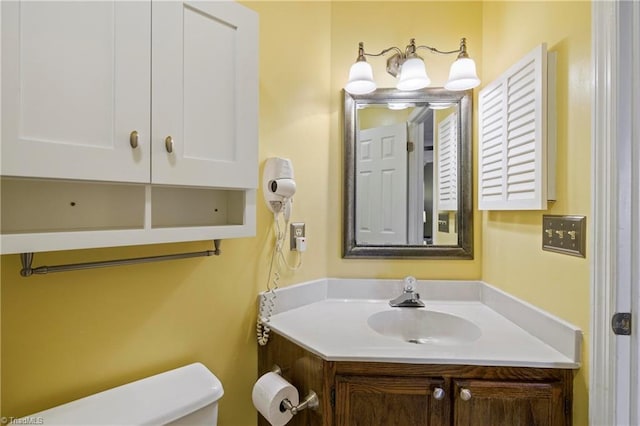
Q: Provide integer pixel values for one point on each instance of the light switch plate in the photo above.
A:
(443, 222)
(564, 234)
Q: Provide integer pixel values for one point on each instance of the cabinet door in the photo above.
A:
(389, 401)
(516, 143)
(75, 84)
(204, 94)
(489, 403)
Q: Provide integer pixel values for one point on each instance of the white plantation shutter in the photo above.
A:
(513, 137)
(448, 163)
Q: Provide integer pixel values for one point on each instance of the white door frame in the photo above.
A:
(615, 226)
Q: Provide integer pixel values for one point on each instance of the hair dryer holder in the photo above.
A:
(278, 184)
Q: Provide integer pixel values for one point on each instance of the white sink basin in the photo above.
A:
(422, 326)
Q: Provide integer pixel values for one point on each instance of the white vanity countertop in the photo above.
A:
(328, 317)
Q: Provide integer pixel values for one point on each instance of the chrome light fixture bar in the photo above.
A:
(410, 69)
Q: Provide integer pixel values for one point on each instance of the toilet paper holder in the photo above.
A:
(310, 401)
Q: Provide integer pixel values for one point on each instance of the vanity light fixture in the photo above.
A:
(410, 69)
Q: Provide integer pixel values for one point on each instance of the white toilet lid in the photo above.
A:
(154, 400)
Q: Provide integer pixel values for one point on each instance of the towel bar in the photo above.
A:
(27, 259)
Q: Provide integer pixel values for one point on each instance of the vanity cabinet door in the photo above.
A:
(495, 403)
(75, 84)
(204, 94)
(390, 401)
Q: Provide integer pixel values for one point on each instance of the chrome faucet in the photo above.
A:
(409, 298)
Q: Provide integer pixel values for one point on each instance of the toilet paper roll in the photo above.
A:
(268, 393)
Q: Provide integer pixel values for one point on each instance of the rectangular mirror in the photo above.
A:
(408, 174)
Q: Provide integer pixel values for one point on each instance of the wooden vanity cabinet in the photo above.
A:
(514, 403)
(372, 400)
(395, 394)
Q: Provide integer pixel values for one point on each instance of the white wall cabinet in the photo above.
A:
(205, 94)
(78, 78)
(516, 126)
(75, 83)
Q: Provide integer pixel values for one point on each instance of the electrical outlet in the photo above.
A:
(296, 229)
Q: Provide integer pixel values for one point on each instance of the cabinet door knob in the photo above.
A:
(438, 393)
(465, 394)
(168, 143)
(133, 139)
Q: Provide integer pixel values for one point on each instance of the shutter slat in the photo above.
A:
(521, 71)
(493, 151)
(522, 177)
(522, 104)
(494, 137)
(528, 157)
(526, 138)
(522, 150)
(518, 88)
(494, 95)
(492, 170)
(521, 168)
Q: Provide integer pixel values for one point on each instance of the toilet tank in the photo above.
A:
(186, 395)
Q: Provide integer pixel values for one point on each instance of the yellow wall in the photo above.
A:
(68, 335)
(381, 116)
(71, 334)
(511, 241)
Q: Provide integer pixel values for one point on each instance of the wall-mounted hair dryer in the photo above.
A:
(278, 185)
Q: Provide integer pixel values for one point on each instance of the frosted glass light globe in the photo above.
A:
(413, 75)
(462, 75)
(360, 79)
